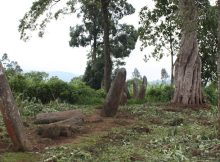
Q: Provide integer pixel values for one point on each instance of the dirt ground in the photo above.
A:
(92, 124)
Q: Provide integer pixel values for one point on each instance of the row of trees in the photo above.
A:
(162, 27)
(100, 30)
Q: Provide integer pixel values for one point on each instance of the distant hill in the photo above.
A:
(155, 82)
(65, 76)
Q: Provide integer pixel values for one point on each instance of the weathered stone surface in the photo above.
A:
(143, 88)
(113, 98)
(52, 117)
(11, 115)
(124, 99)
(65, 128)
(135, 89)
(126, 90)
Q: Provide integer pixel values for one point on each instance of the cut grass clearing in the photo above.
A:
(140, 133)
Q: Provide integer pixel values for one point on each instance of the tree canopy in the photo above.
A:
(160, 28)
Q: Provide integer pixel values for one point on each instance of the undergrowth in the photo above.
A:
(157, 134)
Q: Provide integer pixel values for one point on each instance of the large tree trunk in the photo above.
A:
(113, 97)
(188, 63)
(171, 56)
(107, 68)
(11, 115)
(218, 68)
(172, 66)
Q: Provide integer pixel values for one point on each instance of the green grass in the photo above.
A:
(20, 157)
(155, 135)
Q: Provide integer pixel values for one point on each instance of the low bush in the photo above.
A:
(46, 90)
(211, 94)
(159, 93)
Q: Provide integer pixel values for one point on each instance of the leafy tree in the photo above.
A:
(36, 76)
(100, 22)
(93, 75)
(11, 67)
(188, 65)
(136, 74)
(218, 66)
(207, 39)
(159, 28)
(164, 75)
(122, 37)
(107, 56)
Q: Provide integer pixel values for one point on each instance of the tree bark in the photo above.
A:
(107, 68)
(188, 64)
(218, 68)
(94, 49)
(113, 98)
(11, 115)
(172, 66)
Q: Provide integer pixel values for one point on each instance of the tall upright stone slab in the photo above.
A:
(124, 99)
(135, 89)
(11, 115)
(113, 97)
(143, 88)
(126, 90)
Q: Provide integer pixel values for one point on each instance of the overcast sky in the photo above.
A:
(52, 52)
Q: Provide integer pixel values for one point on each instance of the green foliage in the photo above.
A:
(19, 157)
(159, 93)
(11, 67)
(18, 83)
(123, 37)
(94, 73)
(207, 38)
(42, 9)
(35, 86)
(85, 95)
(159, 28)
(136, 74)
(211, 94)
(164, 75)
(90, 32)
(29, 107)
(150, 137)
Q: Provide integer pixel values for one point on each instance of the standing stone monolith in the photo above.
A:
(11, 115)
(113, 98)
(124, 99)
(143, 88)
(126, 90)
(135, 89)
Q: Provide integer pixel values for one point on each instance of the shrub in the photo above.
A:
(211, 93)
(159, 93)
(35, 86)
(83, 94)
